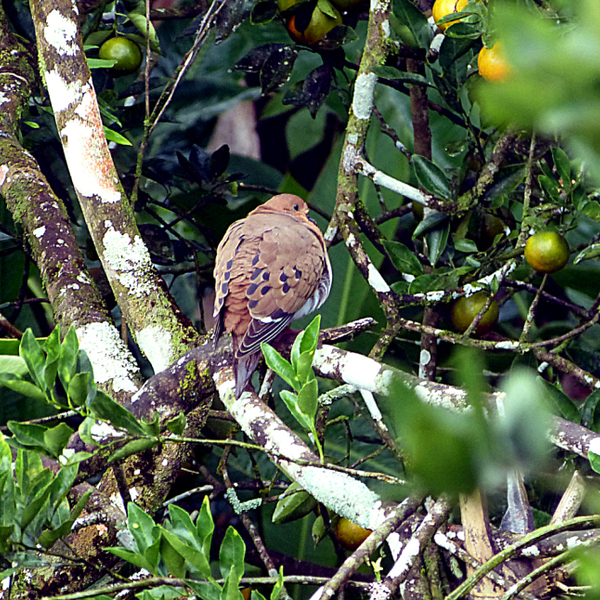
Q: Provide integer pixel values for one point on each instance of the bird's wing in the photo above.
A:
(286, 269)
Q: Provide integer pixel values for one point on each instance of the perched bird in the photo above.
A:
(271, 268)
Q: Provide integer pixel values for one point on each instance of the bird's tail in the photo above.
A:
(244, 367)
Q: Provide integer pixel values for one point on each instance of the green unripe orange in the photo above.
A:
(126, 52)
(547, 251)
(466, 309)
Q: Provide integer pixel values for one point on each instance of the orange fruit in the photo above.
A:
(466, 309)
(126, 52)
(320, 25)
(441, 8)
(492, 63)
(547, 251)
(349, 534)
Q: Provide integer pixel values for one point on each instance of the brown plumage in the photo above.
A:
(271, 268)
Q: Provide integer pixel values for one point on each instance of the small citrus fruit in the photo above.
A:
(492, 63)
(547, 251)
(319, 26)
(466, 309)
(126, 52)
(349, 534)
(441, 8)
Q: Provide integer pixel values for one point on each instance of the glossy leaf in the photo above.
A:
(106, 409)
(232, 554)
(293, 504)
(403, 258)
(280, 365)
(431, 177)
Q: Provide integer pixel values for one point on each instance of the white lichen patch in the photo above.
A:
(129, 260)
(406, 560)
(102, 432)
(594, 445)
(109, 356)
(360, 371)
(61, 34)
(343, 494)
(156, 343)
(376, 281)
(364, 90)
(90, 164)
(62, 92)
(39, 232)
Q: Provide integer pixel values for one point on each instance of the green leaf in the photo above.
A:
(134, 558)
(12, 364)
(310, 336)
(174, 561)
(67, 362)
(295, 503)
(141, 526)
(176, 425)
(561, 404)
(206, 590)
(594, 461)
(52, 347)
(27, 434)
(592, 251)
(305, 371)
(276, 591)
(280, 365)
(563, 166)
(408, 14)
(291, 401)
(35, 505)
(232, 554)
(590, 412)
(133, 447)
(22, 387)
(431, 221)
(106, 409)
(113, 136)
(31, 352)
(465, 245)
(57, 438)
(196, 558)
(49, 536)
(592, 210)
(550, 187)
(437, 239)
(403, 259)
(145, 28)
(78, 387)
(205, 526)
(307, 401)
(100, 63)
(431, 177)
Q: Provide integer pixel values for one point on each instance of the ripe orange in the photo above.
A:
(441, 8)
(547, 251)
(320, 25)
(349, 534)
(465, 310)
(492, 63)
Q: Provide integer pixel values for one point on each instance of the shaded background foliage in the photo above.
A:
(193, 186)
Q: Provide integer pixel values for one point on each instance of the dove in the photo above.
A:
(271, 268)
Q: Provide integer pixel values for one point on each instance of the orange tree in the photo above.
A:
(125, 462)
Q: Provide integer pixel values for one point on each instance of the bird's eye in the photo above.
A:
(296, 206)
